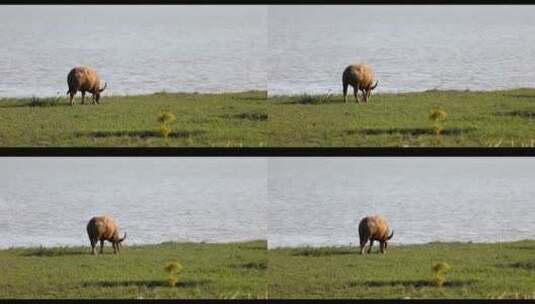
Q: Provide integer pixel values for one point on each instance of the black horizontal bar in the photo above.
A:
(270, 152)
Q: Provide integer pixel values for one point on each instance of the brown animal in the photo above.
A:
(360, 77)
(104, 228)
(84, 79)
(374, 228)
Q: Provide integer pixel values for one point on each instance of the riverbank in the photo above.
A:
(206, 120)
(478, 270)
(248, 270)
(251, 119)
(474, 119)
(231, 270)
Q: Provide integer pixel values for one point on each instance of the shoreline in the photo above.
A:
(126, 245)
(338, 92)
(398, 245)
(333, 93)
(148, 94)
(307, 247)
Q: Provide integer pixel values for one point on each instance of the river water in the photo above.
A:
(411, 48)
(136, 49)
(320, 201)
(288, 201)
(286, 49)
(48, 201)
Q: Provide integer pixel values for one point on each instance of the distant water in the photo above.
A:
(288, 201)
(136, 49)
(320, 201)
(411, 48)
(48, 201)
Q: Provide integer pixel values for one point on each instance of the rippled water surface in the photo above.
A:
(411, 48)
(48, 201)
(136, 49)
(319, 201)
(288, 201)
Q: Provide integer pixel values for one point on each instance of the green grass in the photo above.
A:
(218, 120)
(480, 119)
(250, 119)
(478, 270)
(232, 270)
(248, 270)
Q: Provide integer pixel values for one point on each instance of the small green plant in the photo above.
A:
(164, 130)
(165, 118)
(439, 273)
(173, 269)
(438, 116)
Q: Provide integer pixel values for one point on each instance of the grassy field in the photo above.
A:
(475, 119)
(250, 119)
(499, 270)
(232, 270)
(248, 270)
(208, 120)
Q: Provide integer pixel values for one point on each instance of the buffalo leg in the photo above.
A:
(366, 95)
(382, 247)
(356, 92)
(83, 96)
(101, 246)
(93, 244)
(370, 248)
(345, 91)
(363, 242)
(71, 97)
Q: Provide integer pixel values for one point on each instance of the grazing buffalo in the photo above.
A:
(360, 77)
(104, 228)
(374, 228)
(84, 79)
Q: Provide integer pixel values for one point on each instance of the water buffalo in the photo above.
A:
(84, 79)
(360, 77)
(374, 228)
(104, 228)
